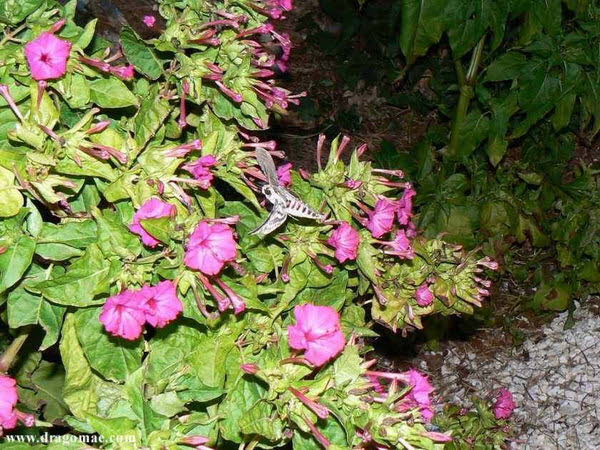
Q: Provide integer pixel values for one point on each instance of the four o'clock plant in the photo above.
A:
(137, 303)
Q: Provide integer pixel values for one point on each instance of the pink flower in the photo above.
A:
(210, 247)
(401, 246)
(284, 174)
(418, 395)
(47, 56)
(162, 303)
(149, 21)
(504, 404)
(423, 295)
(124, 314)
(381, 219)
(8, 400)
(200, 169)
(152, 209)
(317, 331)
(345, 240)
(405, 206)
(123, 72)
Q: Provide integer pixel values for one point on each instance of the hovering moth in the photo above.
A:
(284, 202)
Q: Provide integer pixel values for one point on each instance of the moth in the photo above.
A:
(284, 202)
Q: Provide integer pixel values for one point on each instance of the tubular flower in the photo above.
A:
(381, 219)
(124, 314)
(200, 169)
(405, 206)
(317, 330)
(162, 303)
(345, 240)
(47, 56)
(210, 247)
(504, 404)
(424, 295)
(8, 400)
(418, 395)
(152, 209)
(401, 246)
(284, 174)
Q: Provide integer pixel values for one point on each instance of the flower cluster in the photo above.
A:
(126, 313)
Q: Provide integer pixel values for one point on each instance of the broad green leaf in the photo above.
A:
(90, 167)
(422, 24)
(262, 420)
(80, 389)
(84, 279)
(48, 380)
(134, 390)
(246, 393)
(111, 93)
(112, 357)
(11, 199)
(160, 228)
(15, 261)
(74, 234)
(150, 117)
(114, 238)
(28, 309)
(119, 429)
(506, 67)
(140, 55)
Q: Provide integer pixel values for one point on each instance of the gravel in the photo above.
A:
(554, 377)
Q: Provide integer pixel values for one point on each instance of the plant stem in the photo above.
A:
(8, 357)
(466, 94)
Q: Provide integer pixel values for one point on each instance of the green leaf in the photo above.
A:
(160, 228)
(11, 199)
(111, 93)
(28, 309)
(87, 35)
(246, 393)
(112, 357)
(74, 234)
(140, 55)
(85, 278)
(153, 112)
(422, 24)
(48, 380)
(15, 261)
(114, 238)
(168, 404)
(90, 167)
(80, 389)
(116, 429)
(134, 390)
(261, 419)
(506, 67)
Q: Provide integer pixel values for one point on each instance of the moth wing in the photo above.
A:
(265, 161)
(276, 218)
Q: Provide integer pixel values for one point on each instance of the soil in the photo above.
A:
(370, 118)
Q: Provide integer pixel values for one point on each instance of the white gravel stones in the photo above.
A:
(555, 381)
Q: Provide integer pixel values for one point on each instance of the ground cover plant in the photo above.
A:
(139, 307)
